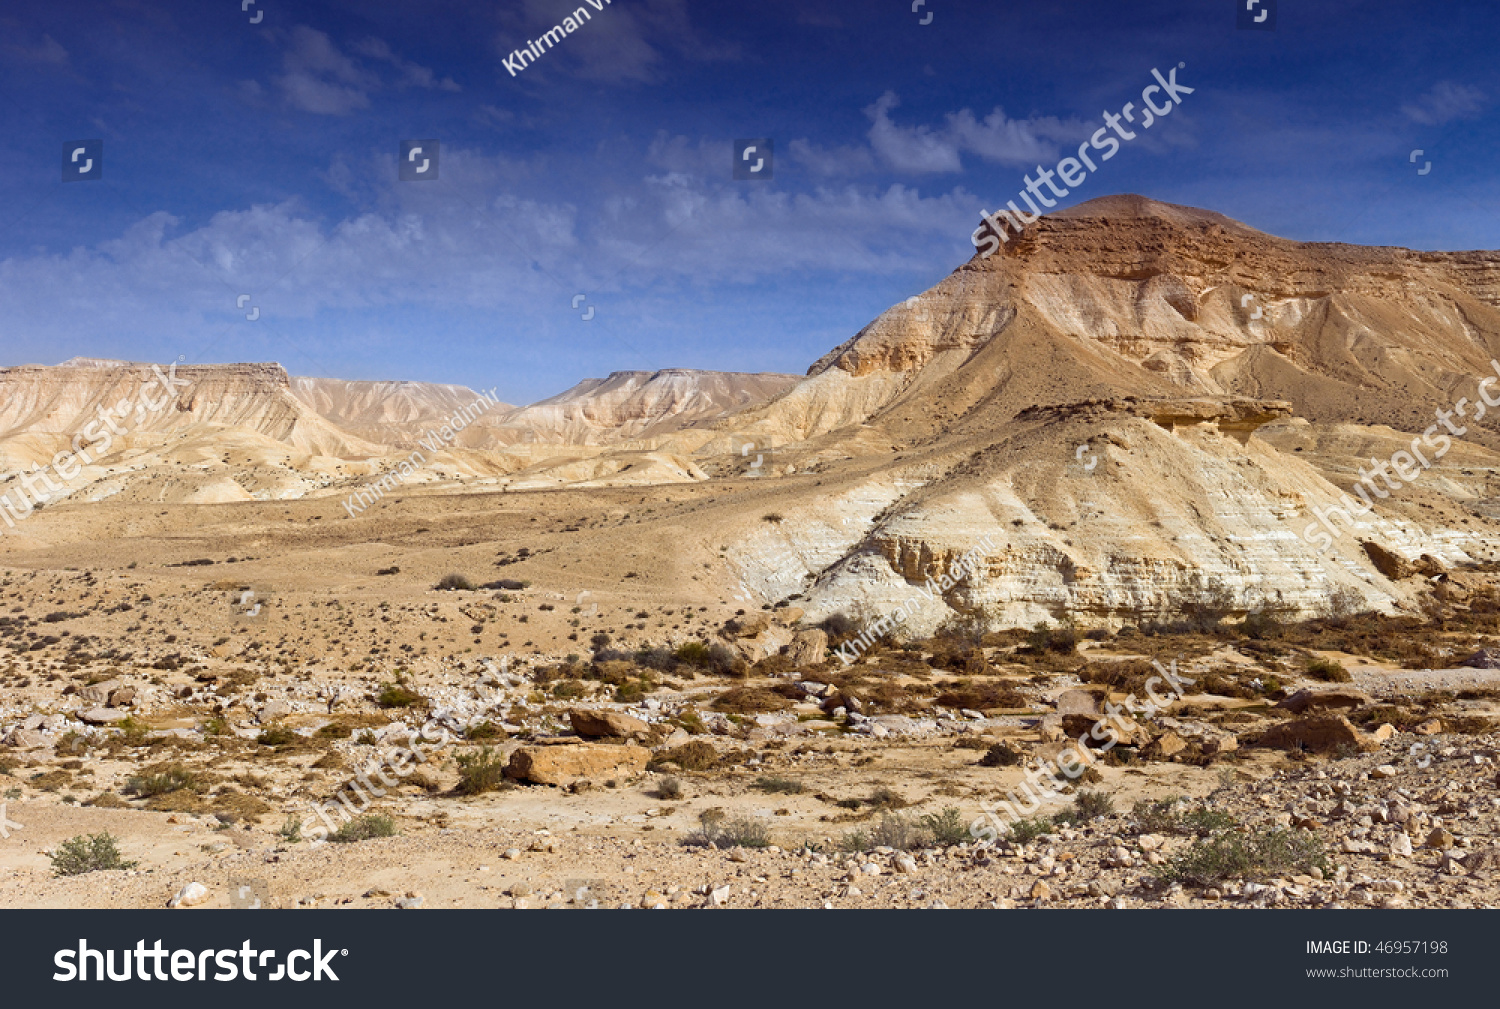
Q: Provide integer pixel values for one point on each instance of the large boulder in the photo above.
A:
(595, 724)
(807, 648)
(563, 765)
(98, 693)
(749, 625)
(1308, 699)
(1317, 732)
(121, 697)
(25, 739)
(102, 716)
(1485, 658)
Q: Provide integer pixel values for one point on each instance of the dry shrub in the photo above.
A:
(695, 755)
(751, 701)
(980, 696)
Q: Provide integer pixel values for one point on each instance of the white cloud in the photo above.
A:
(436, 250)
(914, 149)
(832, 161)
(412, 75)
(997, 138)
(1445, 102)
(318, 78)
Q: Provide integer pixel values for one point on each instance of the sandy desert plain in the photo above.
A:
(640, 622)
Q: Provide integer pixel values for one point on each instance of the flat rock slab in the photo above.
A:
(103, 716)
(563, 765)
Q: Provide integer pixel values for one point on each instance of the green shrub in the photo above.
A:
(398, 695)
(276, 735)
(88, 853)
(480, 772)
(1258, 855)
(1025, 831)
(291, 829)
(363, 828)
(947, 827)
(1168, 816)
(1087, 805)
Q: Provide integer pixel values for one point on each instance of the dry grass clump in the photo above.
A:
(751, 701)
(980, 696)
(695, 755)
(1327, 671)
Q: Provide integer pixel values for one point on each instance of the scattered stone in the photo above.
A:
(1383, 771)
(596, 724)
(102, 716)
(1308, 699)
(1439, 838)
(1322, 732)
(190, 895)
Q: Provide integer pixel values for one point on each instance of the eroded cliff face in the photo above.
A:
(1146, 406)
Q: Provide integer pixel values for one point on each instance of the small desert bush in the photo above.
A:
(450, 583)
(1260, 854)
(669, 788)
(170, 779)
(777, 785)
(1025, 831)
(1328, 671)
(107, 800)
(1001, 755)
(898, 831)
(729, 832)
(1168, 816)
(1087, 805)
(480, 771)
(947, 827)
(88, 853)
(291, 829)
(886, 798)
(398, 695)
(276, 735)
(695, 755)
(855, 841)
(363, 828)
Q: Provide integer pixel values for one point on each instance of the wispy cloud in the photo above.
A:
(997, 138)
(1446, 102)
(319, 78)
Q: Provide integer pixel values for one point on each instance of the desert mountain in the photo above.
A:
(1129, 408)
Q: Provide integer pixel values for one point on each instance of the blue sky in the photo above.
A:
(261, 158)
